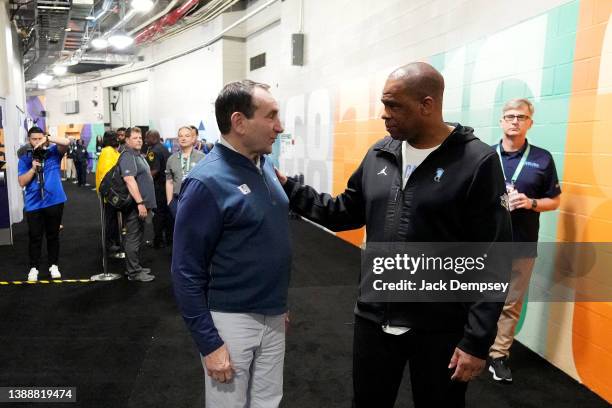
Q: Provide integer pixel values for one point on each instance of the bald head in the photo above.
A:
(421, 80)
(412, 98)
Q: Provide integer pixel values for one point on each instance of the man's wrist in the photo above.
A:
(534, 203)
(140, 203)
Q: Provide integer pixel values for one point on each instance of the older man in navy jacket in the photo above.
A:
(231, 254)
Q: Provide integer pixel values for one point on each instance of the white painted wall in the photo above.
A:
(12, 91)
(86, 94)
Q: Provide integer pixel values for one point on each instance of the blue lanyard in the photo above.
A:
(519, 168)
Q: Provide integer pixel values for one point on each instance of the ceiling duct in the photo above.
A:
(51, 20)
(108, 59)
(77, 24)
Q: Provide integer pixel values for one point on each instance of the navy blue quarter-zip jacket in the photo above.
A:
(231, 249)
(455, 195)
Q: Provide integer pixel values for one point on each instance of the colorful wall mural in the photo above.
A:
(35, 112)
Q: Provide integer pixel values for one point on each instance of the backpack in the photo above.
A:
(113, 188)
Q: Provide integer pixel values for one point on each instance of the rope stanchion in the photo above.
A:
(105, 276)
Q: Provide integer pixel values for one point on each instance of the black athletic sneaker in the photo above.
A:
(500, 370)
(141, 277)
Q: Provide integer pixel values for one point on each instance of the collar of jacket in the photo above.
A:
(237, 158)
(460, 135)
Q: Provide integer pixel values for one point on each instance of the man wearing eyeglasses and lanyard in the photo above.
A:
(179, 164)
(533, 187)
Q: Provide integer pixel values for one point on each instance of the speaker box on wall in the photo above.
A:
(297, 49)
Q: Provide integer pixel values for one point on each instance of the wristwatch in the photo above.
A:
(139, 203)
(534, 203)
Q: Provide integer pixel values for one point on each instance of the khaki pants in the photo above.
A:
(70, 169)
(521, 273)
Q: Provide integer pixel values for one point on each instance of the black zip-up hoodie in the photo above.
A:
(455, 195)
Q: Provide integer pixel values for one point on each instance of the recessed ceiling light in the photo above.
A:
(99, 43)
(60, 70)
(120, 40)
(142, 6)
(43, 78)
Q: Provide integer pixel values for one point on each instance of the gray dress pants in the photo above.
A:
(256, 345)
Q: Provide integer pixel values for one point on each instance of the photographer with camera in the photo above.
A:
(44, 197)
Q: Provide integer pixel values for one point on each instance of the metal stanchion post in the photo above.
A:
(105, 276)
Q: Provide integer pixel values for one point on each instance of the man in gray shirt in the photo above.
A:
(137, 176)
(179, 164)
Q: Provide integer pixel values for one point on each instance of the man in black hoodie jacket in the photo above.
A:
(428, 182)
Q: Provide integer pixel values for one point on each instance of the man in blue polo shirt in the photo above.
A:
(44, 197)
(533, 187)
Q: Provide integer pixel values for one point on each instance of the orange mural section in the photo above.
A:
(587, 203)
(352, 139)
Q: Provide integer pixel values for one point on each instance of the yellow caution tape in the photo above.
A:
(4, 283)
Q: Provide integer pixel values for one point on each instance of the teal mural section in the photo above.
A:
(538, 55)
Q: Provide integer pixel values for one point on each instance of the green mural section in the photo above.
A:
(550, 66)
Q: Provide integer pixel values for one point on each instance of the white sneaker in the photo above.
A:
(55, 273)
(33, 275)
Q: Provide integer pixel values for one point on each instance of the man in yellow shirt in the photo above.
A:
(108, 158)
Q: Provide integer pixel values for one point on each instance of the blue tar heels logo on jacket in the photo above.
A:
(439, 173)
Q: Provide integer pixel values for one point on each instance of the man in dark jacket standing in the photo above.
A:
(157, 156)
(428, 182)
(81, 156)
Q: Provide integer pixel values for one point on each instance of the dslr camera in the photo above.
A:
(40, 154)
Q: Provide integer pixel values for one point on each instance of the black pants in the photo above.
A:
(163, 223)
(45, 221)
(379, 360)
(111, 226)
(81, 168)
(134, 239)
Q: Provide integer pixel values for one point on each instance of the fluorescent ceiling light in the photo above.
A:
(68, 29)
(52, 8)
(43, 78)
(99, 43)
(142, 6)
(90, 18)
(120, 40)
(60, 70)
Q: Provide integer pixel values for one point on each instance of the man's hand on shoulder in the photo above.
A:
(281, 177)
(219, 365)
(467, 367)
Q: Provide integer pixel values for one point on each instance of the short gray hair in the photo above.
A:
(183, 127)
(518, 103)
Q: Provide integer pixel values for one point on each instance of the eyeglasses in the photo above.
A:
(521, 118)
